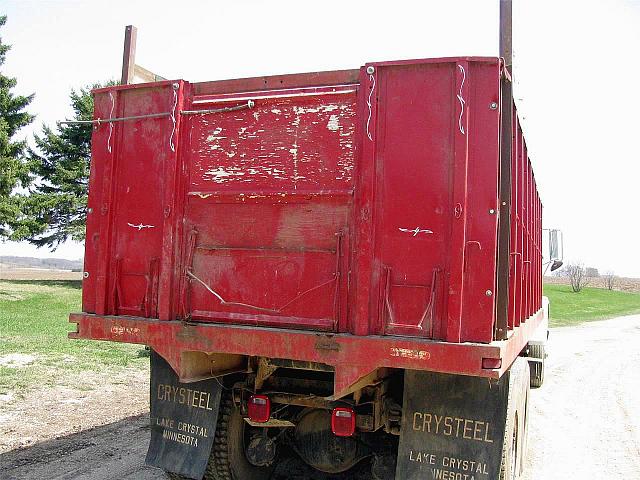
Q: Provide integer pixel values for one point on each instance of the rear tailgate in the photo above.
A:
(269, 198)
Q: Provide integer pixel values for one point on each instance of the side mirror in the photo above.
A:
(553, 250)
(556, 265)
(556, 247)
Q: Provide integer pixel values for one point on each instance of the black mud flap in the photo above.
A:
(183, 421)
(452, 427)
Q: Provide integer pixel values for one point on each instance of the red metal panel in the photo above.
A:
(413, 204)
(363, 274)
(482, 203)
(128, 235)
(100, 146)
(458, 212)
(268, 207)
(424, 203)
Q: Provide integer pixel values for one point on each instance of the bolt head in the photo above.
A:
(370, 69)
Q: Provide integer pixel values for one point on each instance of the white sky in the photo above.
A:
(575, 64)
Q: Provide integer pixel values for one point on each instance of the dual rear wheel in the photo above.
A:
(514, 444)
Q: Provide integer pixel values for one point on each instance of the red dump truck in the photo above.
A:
(339, 268)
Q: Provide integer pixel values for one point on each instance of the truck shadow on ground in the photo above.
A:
(115, 450)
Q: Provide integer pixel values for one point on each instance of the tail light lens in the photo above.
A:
(343, 421)
(491, 363)
(259, 408)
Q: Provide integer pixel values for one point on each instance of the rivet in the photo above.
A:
(176, 86)
(488, 293)
(85, 274)
(493, 106)
(89, 210)
(492, 211)
(370, 69)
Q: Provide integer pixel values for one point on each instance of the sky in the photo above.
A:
(575, 74)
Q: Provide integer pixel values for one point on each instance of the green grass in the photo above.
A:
(34, 321)
(569, 308)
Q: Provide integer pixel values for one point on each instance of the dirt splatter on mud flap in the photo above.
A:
(183, 421)
(452, 427)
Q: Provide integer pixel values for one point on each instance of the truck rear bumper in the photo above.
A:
(353, 358)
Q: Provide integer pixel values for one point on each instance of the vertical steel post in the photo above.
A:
(506, 139)
(506, 30)
(129, 55)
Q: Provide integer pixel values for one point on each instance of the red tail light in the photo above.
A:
(343, 421)
(259, 408)
(491, 363)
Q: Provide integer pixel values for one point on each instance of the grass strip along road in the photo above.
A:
(34, 348)
(569, 308)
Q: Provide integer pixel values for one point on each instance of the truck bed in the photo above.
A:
(347, 218)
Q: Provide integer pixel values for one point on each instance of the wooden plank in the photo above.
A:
(129, 54)
(145, 75)
(296, 80)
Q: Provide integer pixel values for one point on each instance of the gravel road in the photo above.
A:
(583, 421)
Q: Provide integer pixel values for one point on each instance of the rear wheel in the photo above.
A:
(175, 476)
(536, 367)
(228, 460)
(514, 442)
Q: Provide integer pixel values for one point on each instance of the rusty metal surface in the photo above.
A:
(352, 357)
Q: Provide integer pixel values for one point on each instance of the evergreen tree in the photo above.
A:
(54, 210)
(13, 171)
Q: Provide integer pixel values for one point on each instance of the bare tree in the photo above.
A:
(577, 275)
(592, 272)
(610, 279)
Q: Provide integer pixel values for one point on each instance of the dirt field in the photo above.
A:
(583, 421)
(623, 284)
(12, 273)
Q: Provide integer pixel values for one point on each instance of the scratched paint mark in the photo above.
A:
(119, 330)
(461, 99)
(333, 124)
(410, 353)
(215, 135)
(220, 174)
(140, 226)
(415, 231)
(372, 80)
(295, 153)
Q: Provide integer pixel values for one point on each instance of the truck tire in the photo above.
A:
(175, 476)
(514, 442)
(537, 368)
(228, 460)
